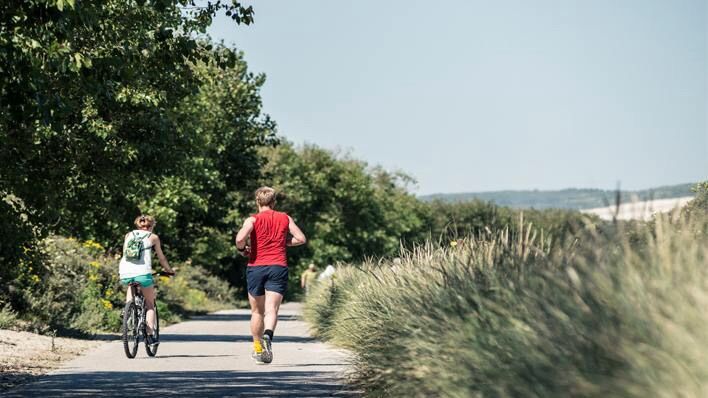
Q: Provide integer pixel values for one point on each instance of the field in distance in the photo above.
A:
(572, 198)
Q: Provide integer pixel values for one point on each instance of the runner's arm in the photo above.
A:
(243, 233)
(161, 255)
(298, 238)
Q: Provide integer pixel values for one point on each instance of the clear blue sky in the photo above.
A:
(478, 96)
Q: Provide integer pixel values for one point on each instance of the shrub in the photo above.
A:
(77, 290)
(8, 317)
(74, 290)
(194, 290)
(449, 221)
(697, 208)
(17, 257)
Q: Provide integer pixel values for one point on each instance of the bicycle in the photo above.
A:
(135, 322)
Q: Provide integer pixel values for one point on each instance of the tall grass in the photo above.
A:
(502, 315)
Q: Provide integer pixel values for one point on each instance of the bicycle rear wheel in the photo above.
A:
(152, 351)
(130, 329)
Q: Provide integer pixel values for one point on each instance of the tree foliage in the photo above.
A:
(110, 108)
(88, 96)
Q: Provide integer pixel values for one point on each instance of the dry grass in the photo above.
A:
(24, 355)
(619, 313)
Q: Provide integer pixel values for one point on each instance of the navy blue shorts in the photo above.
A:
(273, 278)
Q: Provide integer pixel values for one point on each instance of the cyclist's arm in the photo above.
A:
(160, 255)
(298, 238)
(244, 232)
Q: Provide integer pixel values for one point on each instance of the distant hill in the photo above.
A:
(564, 199)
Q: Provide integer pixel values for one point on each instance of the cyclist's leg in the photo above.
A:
(128, 290)
(149, 294)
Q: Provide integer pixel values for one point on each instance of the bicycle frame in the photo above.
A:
(139, 301)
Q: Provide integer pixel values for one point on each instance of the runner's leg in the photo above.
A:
(257, 314)
(272, 305)
(275, 289)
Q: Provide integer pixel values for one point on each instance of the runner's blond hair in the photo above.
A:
(265, 196)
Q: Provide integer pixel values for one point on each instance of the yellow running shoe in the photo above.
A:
(257, 354)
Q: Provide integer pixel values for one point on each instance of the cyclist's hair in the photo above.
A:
(145, 221)
(265, 196)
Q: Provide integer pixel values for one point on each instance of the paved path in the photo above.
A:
(204, 357)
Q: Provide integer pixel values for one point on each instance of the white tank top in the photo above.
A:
(130, 268)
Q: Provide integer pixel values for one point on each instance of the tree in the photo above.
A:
(92, 117)
(348, 210)
(199, 205)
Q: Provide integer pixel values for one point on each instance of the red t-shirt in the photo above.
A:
(268, 238)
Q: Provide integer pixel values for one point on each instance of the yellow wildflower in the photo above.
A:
(106, 304)
(94, 264)
(92, 244)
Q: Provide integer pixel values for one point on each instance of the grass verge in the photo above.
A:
(618, 313)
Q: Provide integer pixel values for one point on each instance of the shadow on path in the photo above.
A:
(187, 356)
(229, 338)
(239, 317)
(186, 384)
(210, 317)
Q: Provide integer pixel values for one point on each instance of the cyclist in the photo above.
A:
(270, 232)
(140, 269)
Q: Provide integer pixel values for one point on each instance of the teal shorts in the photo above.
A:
(143, 280)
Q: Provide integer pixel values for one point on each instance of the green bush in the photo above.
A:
(193, 290)
(504, 315)
(696, 209)
(19, 237)
(77, 290)
(448, 221)
(8, 317)
(64, 293)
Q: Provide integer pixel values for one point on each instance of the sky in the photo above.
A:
(469, 96)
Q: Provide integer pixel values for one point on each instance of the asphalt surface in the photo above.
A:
(207, 356)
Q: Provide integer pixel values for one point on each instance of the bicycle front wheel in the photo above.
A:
(130, 329)
(152, 350)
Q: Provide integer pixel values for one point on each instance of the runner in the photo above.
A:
(270, 232)
(307, 279)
